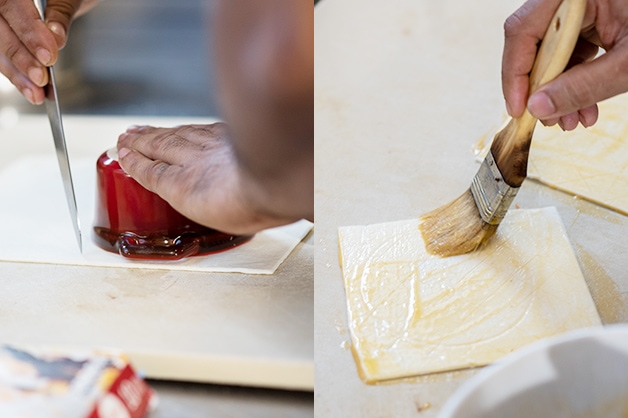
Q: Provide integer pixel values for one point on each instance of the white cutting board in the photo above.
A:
(209, 327)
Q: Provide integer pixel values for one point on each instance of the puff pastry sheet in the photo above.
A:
(411, 313)
(36, 227)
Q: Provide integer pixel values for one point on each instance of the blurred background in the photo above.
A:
(132, 57)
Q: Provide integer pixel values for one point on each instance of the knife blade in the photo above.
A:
(56, 125)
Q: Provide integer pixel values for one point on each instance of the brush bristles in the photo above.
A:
(455, 228)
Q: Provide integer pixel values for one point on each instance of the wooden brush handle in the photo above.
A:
(511, 145)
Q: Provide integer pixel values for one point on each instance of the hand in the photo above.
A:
(573, 96)
(28, 45)
(195, 169)
(259, 172)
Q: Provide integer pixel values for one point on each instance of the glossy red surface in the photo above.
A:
(137, 223)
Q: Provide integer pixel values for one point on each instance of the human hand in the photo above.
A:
(195, 169)
(573, 96)
(28, 45)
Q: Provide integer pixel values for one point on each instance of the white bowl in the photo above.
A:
(581, 374)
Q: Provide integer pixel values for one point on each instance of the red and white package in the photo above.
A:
(50, 383)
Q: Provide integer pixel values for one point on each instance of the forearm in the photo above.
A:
(265, 82)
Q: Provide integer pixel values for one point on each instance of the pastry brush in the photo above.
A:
(469, 221)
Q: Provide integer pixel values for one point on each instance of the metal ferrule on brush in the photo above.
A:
(492, 194)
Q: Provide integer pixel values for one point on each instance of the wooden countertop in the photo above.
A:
(252, 330)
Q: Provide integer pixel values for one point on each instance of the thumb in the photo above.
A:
(582, 86)
(59, 15)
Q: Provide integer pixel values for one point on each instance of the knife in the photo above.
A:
(54, 116)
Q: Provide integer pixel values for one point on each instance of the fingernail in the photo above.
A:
(584, 122)
(540, 105)
(123, 152)
(570, 121)
(36, 75)
(550, 122)
(561, 125)
(57, 28)
(133, 128)
(43, 56)
(588, 120)
(28, 93)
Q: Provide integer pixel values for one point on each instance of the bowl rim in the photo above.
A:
(454, 402)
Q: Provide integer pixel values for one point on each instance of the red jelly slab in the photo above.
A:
(137, 223)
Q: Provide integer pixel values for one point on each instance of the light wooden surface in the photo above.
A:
(207, 327)
(403, 90)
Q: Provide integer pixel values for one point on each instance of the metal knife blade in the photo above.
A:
(56, 125)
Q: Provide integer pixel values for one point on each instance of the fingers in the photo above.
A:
(154, 175)
(159, 157)
(581, 87)
(569, 122)
(187, 166)
(59, 15)
(23, 19)
(174, 146)
(142, 140)
(586, 117)
(32, 92)
(523, 31)
(584, 51)
(19, 56)
(138, 157)
(28, 45)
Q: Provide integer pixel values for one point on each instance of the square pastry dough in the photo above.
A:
(411, 313)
